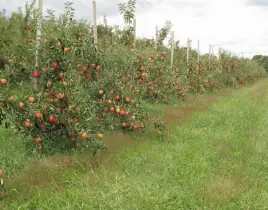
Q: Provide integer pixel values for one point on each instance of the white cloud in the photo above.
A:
(235, 25)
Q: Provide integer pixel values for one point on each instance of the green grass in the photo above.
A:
(218, 160)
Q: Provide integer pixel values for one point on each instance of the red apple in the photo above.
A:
(61, 76)
(98, 68)
(55, 65)
(124, 125)
(36, 74)
(128, 100)
(89, 76)
(122, 112)
(84, 69)
(38, 116)
(42, 126)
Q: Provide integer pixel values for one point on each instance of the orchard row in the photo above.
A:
(83, 90)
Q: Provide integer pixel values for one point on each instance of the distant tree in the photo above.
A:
(261, 60)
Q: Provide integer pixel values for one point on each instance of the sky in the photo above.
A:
(238, 26)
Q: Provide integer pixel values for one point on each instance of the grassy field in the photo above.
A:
(214, 157)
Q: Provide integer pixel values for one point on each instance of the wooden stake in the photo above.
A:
(38, 41)
(198, 51)
(104, 21)
(209, 56)
(95, 32)
(156, 37)
(134, 35)
(188, 50)
(172, 50)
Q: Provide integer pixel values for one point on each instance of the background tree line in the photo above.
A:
(261, 60)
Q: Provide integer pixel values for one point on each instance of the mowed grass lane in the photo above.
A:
(217, 160)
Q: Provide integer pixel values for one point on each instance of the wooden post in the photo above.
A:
(95, 33)
(104, 21)
(198, 51)
(188, 50)
(156, 37)
(212, 51)
(219, 54)
(177, 47)
(134, 35)
(172, 50)
(38, 41)
(209, 56)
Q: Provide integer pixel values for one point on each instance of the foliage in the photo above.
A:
(262, 60)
